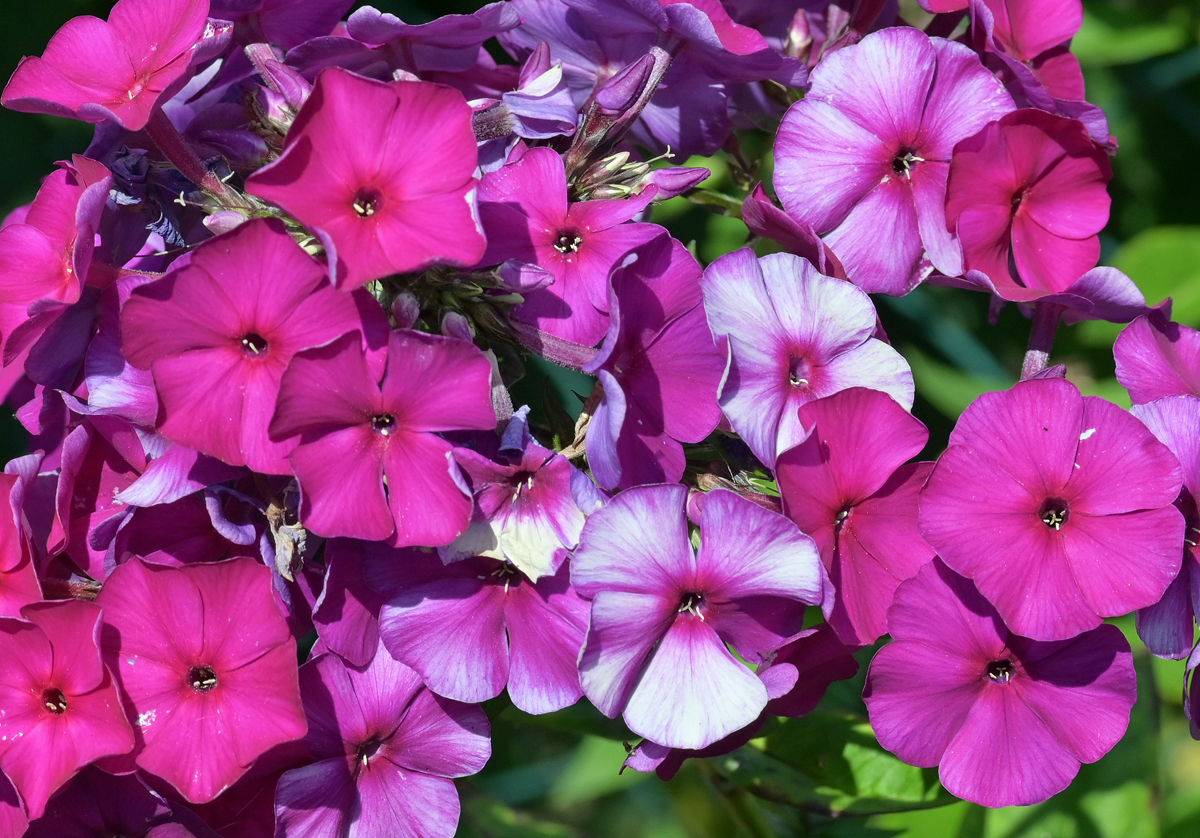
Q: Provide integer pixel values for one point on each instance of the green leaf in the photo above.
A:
(594, 770)
(485, 817)
(948, 389)
(1101, 44)
(580, 717)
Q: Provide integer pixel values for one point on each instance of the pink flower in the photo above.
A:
(59, 708)
(1032, 186)
(1057, 506)
(119, 70)
(396, 193)
(357, 432)
(219, 331)
(208, 668)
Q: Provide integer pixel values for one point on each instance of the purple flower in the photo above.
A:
(865, 155)
(1057, 506)
(59, 708)
(1167, 626)
(1157, 358)
(385, 748)
(794, 335)
(99, 804)
(846, 485)
(357, 431)
(1007, 720)
(526, 217)
(526, 506)
(207, 667)
(393, 195)
(478, 624)
(658, 368)
(218, 333)
(93, 70)
(662, 614)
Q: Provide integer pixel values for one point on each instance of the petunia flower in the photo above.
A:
(658, 368)
(1030, 192)
(1168, 626)
(207, 666)
(59, 708)
(793, 335)
(1006, 719)
(1059, 507)
(219, 331)
(863, 158)
(357, 431)
(385, 750)
(662, 613)
(94, 70)
(477, 625)
(393, 195)
(848, 487)
(526, 216)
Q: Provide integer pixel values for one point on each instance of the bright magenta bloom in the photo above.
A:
(208, 668)
(93, 70)
(1057, 506)
(59, 708)
(394, 194)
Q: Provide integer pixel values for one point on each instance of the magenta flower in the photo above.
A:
(1167, 626)
(18, 577)
(866, 163)
(59, 708)
(1007, 720)
(476, 625)
(100, 804)
(846, 485)
(356, 433)
(219, 332)
(662, 614)
(119, 70)
(385, 748)
(393, 195)
(794, 335)
(529, 507)
(526, 217)
(1157, 358)
(1032, 189)
(658, 368)
(207, 666)
(1057, 506)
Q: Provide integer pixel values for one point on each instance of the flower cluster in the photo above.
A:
(263, 331)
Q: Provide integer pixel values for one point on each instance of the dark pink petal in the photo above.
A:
(941, 609)
(692, 691)
(73, 629)
(326, 388)
(1172, 420)
(441, 737)
(1168, 626)
(1027, 29)
(317, 800)
(395, 803)
(430, 507)
(818, 659)
(546, 624)
(886, 214)
(341, 485)
(962, 99)
(347, 614)
(414, 386)
(1157, 359)
(335, 715)
(1049, 262)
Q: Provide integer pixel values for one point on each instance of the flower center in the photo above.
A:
(691, 602)
(799, 371)
(366, 201)
(368, 749)
(1054, 513)
(903, 161)
(383, 424)
(202, 679)
(1017, 198)
(54, 701)
(568, 241)
(1000, 672)
(254, 345)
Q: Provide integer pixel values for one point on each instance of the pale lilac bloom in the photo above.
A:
(59, 707)
(794, 335)
(477, 625)
(1007, 720)
(1157, 358)
(385, 748)
(356, 431)
(207, 667)
(527, 509)
(864, 157)
(662, 614)
(848, 487)
(393, 195)
(1059, 507)
(95, 70)
(658, 369)
(1168, 626)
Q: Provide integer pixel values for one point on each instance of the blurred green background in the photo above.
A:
(556, 776)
